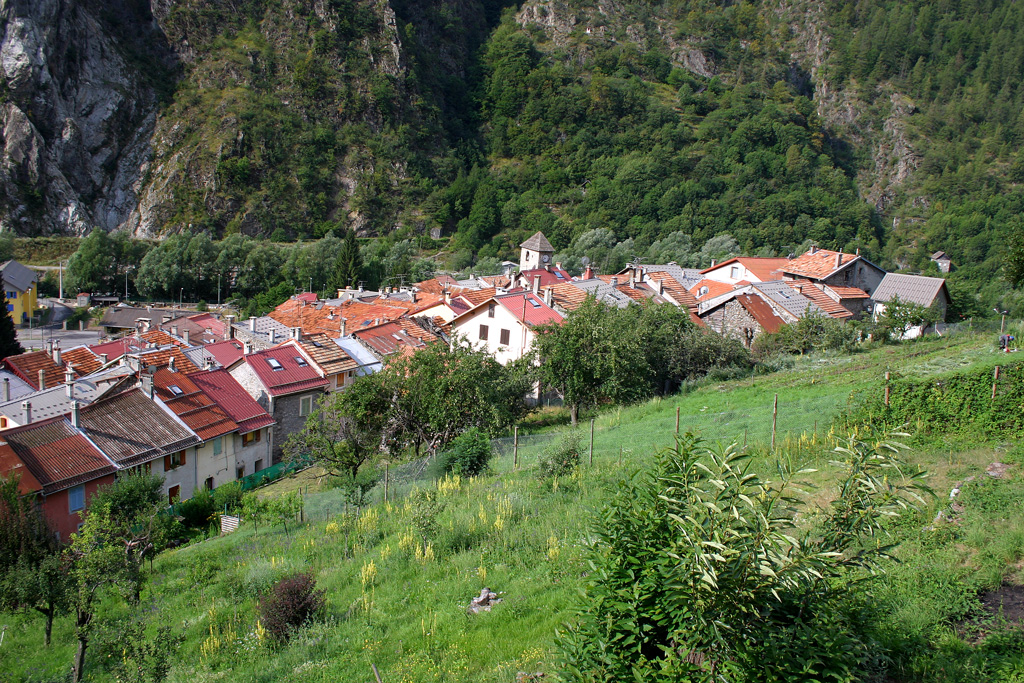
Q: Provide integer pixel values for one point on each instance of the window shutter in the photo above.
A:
(183, 457)
(258, 433)
(167, 463)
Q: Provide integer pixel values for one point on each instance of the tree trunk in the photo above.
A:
(83, 642)
(574, 412)
(48, 628)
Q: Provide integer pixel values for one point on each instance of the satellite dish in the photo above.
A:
(585, 261)
(545, 258)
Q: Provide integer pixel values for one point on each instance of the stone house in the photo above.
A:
(743, 317)
(835, 269)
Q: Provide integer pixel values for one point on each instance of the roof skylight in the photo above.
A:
(275, 364)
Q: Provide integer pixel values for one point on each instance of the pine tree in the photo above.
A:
(348, 267)
(9, 344)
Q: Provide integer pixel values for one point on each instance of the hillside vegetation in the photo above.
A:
(398, 576)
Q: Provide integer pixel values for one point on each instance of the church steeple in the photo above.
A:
(536, 252)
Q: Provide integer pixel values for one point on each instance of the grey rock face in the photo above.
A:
(77, 117)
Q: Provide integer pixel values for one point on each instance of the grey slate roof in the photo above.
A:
(604, 292)
(124, 317)
(19, 387)
(687, 277)
(17, 276)
(787, 298)
(916, 289)
(368, 363)
(261, 338)
(538, 243)
(55, 401)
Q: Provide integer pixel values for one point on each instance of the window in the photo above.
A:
(175, 389)
(76, 498)
(734, 272)
(248, 438)
(239, 471)
(534, 301)
(174, 460)
(3, 423)
(217, 445)
(258, 466)
(274, 364)
(301, 361)
(208, 484)
(173, 494)
(483, 332)
(505, 336)
(490, 311)
(305, 406)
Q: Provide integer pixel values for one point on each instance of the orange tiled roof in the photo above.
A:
(714, 289)
(761, 311)
(849, 292)
(476, 297)
(639, 292)
(437, 285)
(160, 358)
(331, 358)
(503, 281)
(326, 319)
(200, 412)
(823, 300)
(566, 295)
(160, 338)
(764, 268)
(82, 360)
(27, 367)
(395, 336)
(819, 264)
(674, 289)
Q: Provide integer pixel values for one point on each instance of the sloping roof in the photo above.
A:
(763, 268)
(291, 377)
(131, 429)
(160, 357)
(17, 386)
(326, 319)
(940, 256)
(226, 353)
(916, 289)
(847, 292)
(306, 296)
(687, 277)
(715, 288)
(476, 297)
(787, 298)
(220, 386)
(503, 281)
(674, 289)
(820, 298)
(27, 367)
(529, 308)
(567, 295)
(202, 329)
(537, 243)
(117, 348)
(55, 401)
(436, 285)
(331, 358)
(760, 311)
(83, 359)
(603, 292)
(395, 336)
(367, 361)
(818, 264)
(125, 316)
(57, 455)
(17, 276)
(12, 465)
(200, 412)
(160, 338)
(548, 276)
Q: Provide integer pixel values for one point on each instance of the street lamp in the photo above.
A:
(180, 293)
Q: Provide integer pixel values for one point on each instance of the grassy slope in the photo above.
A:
(523, 537)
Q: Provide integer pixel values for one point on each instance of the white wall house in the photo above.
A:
(504, 325)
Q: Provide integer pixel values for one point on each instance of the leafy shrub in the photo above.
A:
(293, 602)
(813, 332)
(562, 458)
(469, 453)
(197, 511)
(228, 497)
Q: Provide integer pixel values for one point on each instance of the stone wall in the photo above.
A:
(286, 412)
(732, 320)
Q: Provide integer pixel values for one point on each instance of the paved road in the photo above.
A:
(37, 337)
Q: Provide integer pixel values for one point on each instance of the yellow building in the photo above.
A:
(19, 290)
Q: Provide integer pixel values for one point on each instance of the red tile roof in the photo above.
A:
(160, 338)
(130, 429)
(760, 311)
(326, 319)
(437, 285)
(395, 336)
(306, 296)
(226, 353)
(56, 454)
(715, 288)
(292, 377)
(161, 357)
(27, 367)
(567, 295)
(82, 359)
(819, 264)
(529, 308)
(116, 348)
(11, 465)
(849, 292)
(200, 412)
(823, 300)
(202, 328)
(232, 398)
(764, 269)
(475, 297)
(547, 277)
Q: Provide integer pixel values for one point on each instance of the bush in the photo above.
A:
(197, 511)
(813, 332)
(228, 497)
(563, 458)
(468, 454)
(293, 602)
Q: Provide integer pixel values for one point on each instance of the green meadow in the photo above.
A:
(399, 575)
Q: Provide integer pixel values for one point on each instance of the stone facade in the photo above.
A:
(732, 320)
(285, 409)
(860, 275)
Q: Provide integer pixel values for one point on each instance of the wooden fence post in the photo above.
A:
(591, 441)
(387, 472)
(515, 448)
(775, 418)
(677, 420)
(995, 378)
(887, 388)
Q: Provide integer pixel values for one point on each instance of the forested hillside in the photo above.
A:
(618, 128)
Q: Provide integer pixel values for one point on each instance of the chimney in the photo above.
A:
(412, 295)
(104, 358)
(56, 353)
(296, 333)
(272, 336)
(632, 280)
(588, 273)
(814, 248)
(42, 378)
(208, 363)
(447, 297)
(558, 265)
(185, 336)
(76, 420)
(536, 284)
(858, 251)
(69, 382)
(252, 323)
(661, 287)
(839, 258)
(360, 286)
(6, 390)
(49, 346)
(26, 412)
(344, 329)
(247, 347)
(174, 330)
(171, 365)
(230, 332)
(614, 282)
(713, 262)
(800, 288)
(549, 296)
(147, 384)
